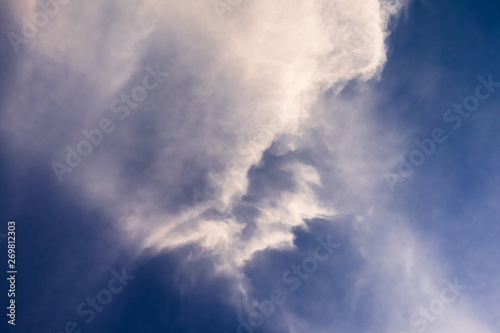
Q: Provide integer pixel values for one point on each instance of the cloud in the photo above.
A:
(237, 86)
(248, 137)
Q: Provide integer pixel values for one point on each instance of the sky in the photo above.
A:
(250, 166)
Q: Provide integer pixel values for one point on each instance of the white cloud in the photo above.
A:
(236, 86)
(266, 64)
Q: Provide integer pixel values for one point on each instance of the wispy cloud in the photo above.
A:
(249, 138)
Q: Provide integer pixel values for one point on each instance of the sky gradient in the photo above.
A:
(251, 166)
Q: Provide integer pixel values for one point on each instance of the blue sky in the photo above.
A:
(243, 166)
